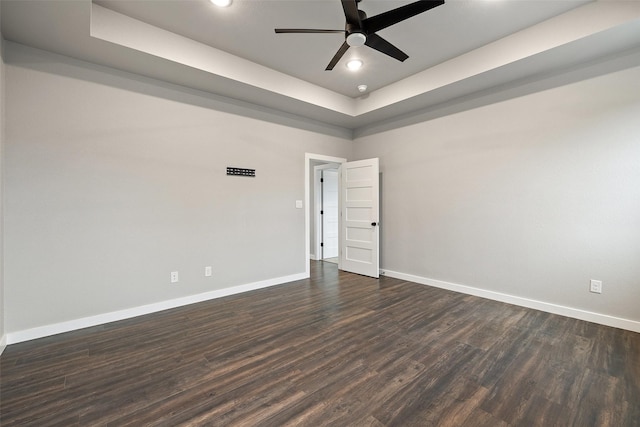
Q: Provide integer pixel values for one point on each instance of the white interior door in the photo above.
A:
(330, 213)
(359, 209)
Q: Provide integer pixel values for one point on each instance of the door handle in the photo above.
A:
(373, 224)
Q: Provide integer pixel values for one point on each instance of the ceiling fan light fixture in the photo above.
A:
(222, 3)
(356, 39)
(354, 64)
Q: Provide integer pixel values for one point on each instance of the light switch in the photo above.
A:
(298, 204)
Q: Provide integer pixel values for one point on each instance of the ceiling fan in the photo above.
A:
(360, 30)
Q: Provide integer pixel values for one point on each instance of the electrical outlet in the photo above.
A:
(174, 277)
(596, 286)
(207, 271)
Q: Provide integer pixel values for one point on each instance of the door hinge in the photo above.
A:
(321, 179)
(321, 212)
(321, 245)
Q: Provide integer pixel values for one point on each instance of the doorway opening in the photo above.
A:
(326, 212)
(310, 163)
(358, 217)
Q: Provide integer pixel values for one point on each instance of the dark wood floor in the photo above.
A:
(338, 349)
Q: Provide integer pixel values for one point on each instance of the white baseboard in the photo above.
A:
(3, 344)
(313, 257)
(602, 319)
(85, 322)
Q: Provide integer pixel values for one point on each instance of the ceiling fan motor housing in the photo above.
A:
(356, 36)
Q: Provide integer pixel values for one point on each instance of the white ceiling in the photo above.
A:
(464, 52)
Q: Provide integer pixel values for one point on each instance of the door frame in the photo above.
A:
(308, 159)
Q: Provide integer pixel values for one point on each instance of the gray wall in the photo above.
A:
(531, 197)
(113, 181)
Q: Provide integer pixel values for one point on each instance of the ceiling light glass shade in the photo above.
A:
(222, 3)
(354, 64)
(362, 88)
(356, 39)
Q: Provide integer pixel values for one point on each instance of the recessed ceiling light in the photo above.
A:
(362, 88)
(221, 3)
(354, 64)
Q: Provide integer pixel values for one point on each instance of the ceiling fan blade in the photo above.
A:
(306, 31)
(387, 19)
(351, 12)
(376, 42)
(337, 56)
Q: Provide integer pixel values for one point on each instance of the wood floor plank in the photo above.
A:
(336, 349)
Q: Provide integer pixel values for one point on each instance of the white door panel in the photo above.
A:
(360, 212)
